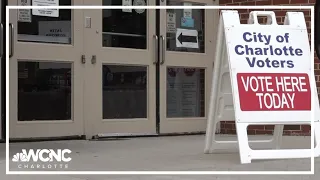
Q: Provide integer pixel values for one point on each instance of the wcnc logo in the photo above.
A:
(42, 158)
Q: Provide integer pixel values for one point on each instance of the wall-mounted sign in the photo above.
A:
(24, 15)
(187, 38)
(171, 23)
(127, 3)
(45, 12)
(139, 3)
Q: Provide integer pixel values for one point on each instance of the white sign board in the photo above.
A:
(187, 38)
(55, 28)
(187, 13)
(127, 3)
(171, 22)
(24, 15)
(139, 3)
(45, 12)
(270, 73)
(183, 92)
(271, 81)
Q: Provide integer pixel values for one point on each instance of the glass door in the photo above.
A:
(46, 70)
(121, 79)
(186, 54)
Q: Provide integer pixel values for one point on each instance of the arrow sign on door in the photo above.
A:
(187, 38)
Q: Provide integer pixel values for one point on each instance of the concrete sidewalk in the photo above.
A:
(176, 153)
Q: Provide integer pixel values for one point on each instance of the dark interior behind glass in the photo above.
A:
(32, 28)
(124, 29)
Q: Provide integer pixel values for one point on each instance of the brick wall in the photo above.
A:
(228, 127)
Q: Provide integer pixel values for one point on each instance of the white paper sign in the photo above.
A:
(45, 12)
(127, 3)
(55, 28)
(187, 38)
(187, 13)
(171, 23)
(183, 92)
(139, 3)
(24, 15)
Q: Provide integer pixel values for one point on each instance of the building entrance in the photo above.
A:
(109, 72)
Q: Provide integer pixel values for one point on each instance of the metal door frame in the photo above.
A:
(158, 70)
(2, 72)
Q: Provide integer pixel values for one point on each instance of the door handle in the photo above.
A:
(93, 59)
(1, 40)
(83, 59)
(162, 50)
(11, 40)
(156, 47)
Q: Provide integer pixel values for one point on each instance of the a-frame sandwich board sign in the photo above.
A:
(262, 75)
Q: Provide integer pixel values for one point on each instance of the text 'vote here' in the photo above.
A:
(274, 91)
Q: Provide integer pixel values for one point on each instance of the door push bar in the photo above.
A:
(11, 31)
(156, 47)
(162, 50)
(1, 40)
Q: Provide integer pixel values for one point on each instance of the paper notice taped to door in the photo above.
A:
(127, 3)
(55, 28)
(24, 15)
(187, 13)
(171, 23)
(45, 12)
(139, 3)
(187, 38)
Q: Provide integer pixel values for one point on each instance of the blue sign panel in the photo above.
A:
(187, 22)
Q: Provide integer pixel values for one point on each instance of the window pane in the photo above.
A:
(124, 28)
(124, 92)
(45, 26)
(185, 28)
(44, 91)
(185, 92)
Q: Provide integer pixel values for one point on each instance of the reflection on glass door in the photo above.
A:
(124, 92)
(185, 92)
(44, 91)
(186, 65)
(124, 28)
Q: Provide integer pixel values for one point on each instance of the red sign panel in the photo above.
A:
(274, 91)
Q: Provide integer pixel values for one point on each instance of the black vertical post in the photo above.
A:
(158, 71)
(3, 71)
